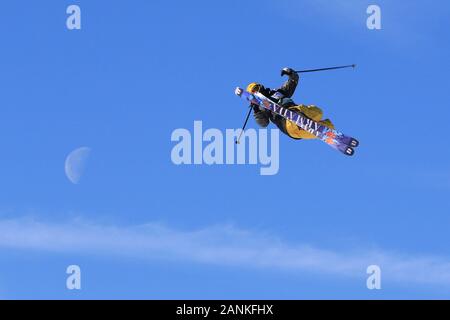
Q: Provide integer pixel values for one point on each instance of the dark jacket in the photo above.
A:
(281, 96)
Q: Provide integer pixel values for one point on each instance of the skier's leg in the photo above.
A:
(284, 126)
(313, 112)
(261, 117)
(327, 123)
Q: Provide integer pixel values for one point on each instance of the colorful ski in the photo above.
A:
(333, 138)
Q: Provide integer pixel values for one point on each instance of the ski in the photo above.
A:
(322, 132)
(333, 138)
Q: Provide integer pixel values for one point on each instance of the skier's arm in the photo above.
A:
(288, 88)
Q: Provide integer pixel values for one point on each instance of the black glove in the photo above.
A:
(287, 72)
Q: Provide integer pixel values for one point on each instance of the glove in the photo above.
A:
(287, 72)
(238, 91)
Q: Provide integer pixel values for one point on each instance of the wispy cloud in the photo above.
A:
(218, 245)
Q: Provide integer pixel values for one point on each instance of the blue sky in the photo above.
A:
(141, 227)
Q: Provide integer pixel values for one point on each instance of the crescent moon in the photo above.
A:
(76, 163)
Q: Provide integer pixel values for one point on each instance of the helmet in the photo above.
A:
(254, 87)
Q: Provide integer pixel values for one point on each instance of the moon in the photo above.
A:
(76, 163)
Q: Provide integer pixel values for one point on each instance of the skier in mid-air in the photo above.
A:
(283, 97)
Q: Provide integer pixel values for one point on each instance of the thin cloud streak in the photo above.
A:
(217, 245)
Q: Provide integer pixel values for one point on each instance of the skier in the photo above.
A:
(282, 96)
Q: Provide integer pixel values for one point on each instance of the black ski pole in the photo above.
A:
(325, 69)
(245, 124)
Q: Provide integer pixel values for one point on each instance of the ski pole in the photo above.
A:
(238, 141)
(325, 69)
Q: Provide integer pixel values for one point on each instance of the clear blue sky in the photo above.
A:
(141, 227)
